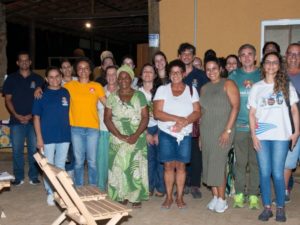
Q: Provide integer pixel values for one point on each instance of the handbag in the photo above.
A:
(196, 125)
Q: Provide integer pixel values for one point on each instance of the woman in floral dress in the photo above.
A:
(126, 117)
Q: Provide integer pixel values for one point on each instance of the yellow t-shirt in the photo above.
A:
(83, 103)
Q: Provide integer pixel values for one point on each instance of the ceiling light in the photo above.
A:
(88, 25)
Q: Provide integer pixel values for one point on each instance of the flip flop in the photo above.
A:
(136, 205)
(159, 194)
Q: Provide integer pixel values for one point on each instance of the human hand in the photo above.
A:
(150, 139)
(294, 137)
(38, 93)
(132, 139)
(256, 143)
(224, 139)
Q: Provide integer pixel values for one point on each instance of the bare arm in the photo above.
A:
(252, 122)
(103, 100)
(142, 126)
(295, 117)
(37, 128)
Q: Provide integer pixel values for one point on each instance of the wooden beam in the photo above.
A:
(3, 42)
(154, 24)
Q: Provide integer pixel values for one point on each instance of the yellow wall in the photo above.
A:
(223, 25)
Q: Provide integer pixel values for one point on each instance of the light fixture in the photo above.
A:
(88, 25)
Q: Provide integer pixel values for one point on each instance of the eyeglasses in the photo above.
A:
(267, 62)
(292, 54)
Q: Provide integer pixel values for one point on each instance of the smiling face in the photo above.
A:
(293, 57)
(24, 62)
(187, 57)
(247, 57)
(160, 62)
(54, 79)
(176, 75)
(111, 76)
(231, 64)
(66, 69)
(83, 71)
(271, 65)
(148, 74)
(124, 80)
(213, 71)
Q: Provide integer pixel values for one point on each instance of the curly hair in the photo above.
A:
(281, 80)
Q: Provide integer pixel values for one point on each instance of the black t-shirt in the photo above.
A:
(197, 78)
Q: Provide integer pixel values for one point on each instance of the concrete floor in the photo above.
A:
(26, 205)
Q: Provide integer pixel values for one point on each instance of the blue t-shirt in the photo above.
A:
(295, 79)
(53, 109)
(22, 90)
(244, 81)
(197, 78)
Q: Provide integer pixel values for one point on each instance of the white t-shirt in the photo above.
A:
(152, 121)
(272, 114)
(181, 105)
(101, 108)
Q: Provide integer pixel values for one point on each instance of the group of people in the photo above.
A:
(143, 135)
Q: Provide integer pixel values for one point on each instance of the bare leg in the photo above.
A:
(221, 190)
(169, 177)
(180, 180)
(287, 176)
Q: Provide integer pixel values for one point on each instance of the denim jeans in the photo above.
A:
(19, 133)
(271, 159)
(85, 144)
(56, 154)
(155, 168)
(102, 160)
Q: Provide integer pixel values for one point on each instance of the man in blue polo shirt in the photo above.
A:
(18, 90)
(197, 78)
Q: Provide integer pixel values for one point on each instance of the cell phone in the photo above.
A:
(291, 148)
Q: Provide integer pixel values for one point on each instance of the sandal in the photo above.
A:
(159, 194)
(124, 202)
(167, 204)
(181, 204)
(136, 205)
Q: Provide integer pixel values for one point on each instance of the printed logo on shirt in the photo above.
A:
(64, 101)
(32, 85)
(264, 127)
(92, 90)
(271, 100)
(248, 84)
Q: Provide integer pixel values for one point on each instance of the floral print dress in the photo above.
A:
(127, 166)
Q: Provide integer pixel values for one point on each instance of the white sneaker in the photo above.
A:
(221, 205)
(212, 204)
(50, 200)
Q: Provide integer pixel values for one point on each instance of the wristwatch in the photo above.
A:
(228, 131)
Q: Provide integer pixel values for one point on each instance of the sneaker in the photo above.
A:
(221, 205)
(266, 214)
(238, 201)
(17, 182)
(287, 198)
(253, 202)
(50, 200)
(280, 215)
(212, 204)
(34, 182)
(196, 192)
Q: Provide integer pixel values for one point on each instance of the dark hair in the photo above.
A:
(212, 59)
(271, 43)
(63, 60)
(127, 57)
(23, 53)
(178, 63)
(52, 68)
(164, 80)
(110, 67)
(236, 58)
(108, 57)
(293, 44)
(281, 79)
(186, 46)
(244, 46)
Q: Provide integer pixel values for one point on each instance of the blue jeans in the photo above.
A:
(85, 144)
(102, 160)
(18, 134)
(271, 159)
(56, 154)
(155, 168)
